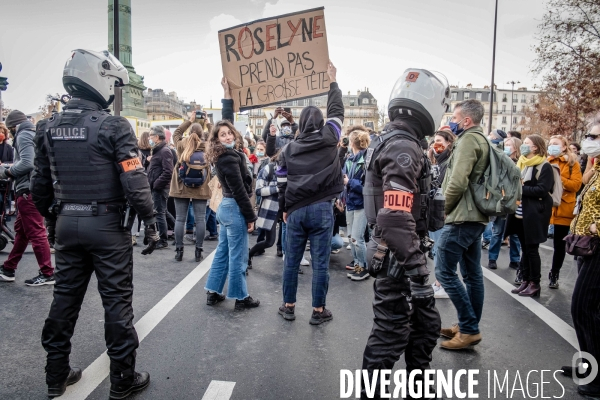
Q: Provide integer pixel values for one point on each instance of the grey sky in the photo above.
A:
(175, 44)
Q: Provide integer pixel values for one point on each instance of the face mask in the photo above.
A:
(260, 153)
(454, 127)
(554, 150)
(286, 130)
(151, 142)
(228, 145)
(525, 149)
(439, 148)
(591, 147)
(508, 150)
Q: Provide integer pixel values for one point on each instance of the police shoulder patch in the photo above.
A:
(404, 160)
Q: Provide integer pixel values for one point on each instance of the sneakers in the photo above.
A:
(133, 243)
(319, 317)
(304, 262)
(59, 389)
(485, 245)
(189, 238)
(461, 341)
(141, 380)
(248, 302)
(360, 274)
(348, 247)
(335, 251)
(449, 332)
(7, 275)
(287, 312)
(161, 245)
(40, 280)
(439, 292)
(492, 264)
(52, 251)
(213, 298)
(513, 265)
(350, 266)
(553, 280)
(212, 237)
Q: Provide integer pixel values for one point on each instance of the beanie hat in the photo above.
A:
(15, 118)
(499, 133)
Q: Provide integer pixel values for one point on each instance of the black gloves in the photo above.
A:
(151, 238)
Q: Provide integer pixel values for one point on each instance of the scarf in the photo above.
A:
(526, 165)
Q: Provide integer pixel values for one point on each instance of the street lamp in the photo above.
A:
(493, 70)
(513, 83)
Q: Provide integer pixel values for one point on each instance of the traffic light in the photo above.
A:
(3, 83)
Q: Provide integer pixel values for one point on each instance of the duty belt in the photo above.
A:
(90, 209)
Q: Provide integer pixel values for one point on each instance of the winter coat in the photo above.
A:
(441, 160)
(160, 168)
(309, 170)
(571, 181)
(537, 206)
(236, 180)
(267, 129)
(178, 189)
(276, 143)
(470, 157)
(25, 153)
(267, 189)
(354, 168)
(7, 154)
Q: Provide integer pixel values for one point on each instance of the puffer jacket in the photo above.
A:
(470, 157)
(571, 181)
(178, 189)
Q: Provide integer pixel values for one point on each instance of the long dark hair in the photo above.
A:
(144, 141)
(215, 148)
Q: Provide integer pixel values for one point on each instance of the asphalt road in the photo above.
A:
(190, 349)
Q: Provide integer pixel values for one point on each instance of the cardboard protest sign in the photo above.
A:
(276, 59)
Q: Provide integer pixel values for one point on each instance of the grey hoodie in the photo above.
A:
(24, 155)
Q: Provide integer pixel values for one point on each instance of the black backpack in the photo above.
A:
(193, 174)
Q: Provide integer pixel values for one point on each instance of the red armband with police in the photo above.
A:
(131, 164)
(397, 200)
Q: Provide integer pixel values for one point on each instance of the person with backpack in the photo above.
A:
(570, 174)
(531, 220)
(190, 182)
(268, 212)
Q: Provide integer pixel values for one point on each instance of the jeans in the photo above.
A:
(159, 197)
(282, 235)
(313, 222)
(231, 256)
(435, 236)
(357, 223)
(337, 242)
(211, 222)
(487, 233)
(191, 220)
(462, 243)
(496, 243)
(29, 227)
(182, 207)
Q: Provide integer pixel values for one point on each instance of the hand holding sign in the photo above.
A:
(331, 71)
(226, 90)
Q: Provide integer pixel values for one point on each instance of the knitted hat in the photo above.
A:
(499, 133)
(15, 118)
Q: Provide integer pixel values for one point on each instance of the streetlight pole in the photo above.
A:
(493, 70)
(513, 83)
(118, 102)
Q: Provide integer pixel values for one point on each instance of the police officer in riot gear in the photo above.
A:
(89, 178)
(396, 196)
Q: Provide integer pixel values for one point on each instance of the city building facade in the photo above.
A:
(360, 109)
(162, 106)
(509, 106)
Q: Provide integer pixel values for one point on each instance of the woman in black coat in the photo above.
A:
(532, 218)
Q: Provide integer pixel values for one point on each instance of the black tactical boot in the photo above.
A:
(179, 254)
(60, 388)
(140, 381)
(199, 254)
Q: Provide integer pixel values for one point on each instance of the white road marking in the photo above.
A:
(546, 247)
(97, 371)
(553, 321)
(219, 390)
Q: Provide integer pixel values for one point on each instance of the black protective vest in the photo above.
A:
(373, 188)
(81, 172)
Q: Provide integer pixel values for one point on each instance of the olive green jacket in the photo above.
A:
(469, 159)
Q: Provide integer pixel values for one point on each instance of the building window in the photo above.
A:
(259, 122)
(514, 109)
(514, 120)
(523, 99)
(503, 120)
(258, 132)
(365, 122)
(515, 99)
(504, 97)
(351, 122)
(453, 96)
(365, 101)
(533, 99)
(351, 102)
(504, 128)
(503, 108)
(295, 102)
(467, 95)
(317, 103)
(478, 96)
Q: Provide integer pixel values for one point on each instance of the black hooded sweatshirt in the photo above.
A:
(309, 171)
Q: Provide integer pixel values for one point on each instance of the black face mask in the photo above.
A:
(13, 131)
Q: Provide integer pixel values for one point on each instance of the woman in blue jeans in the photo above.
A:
(235, 213)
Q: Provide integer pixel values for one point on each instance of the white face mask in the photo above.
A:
(591, 147)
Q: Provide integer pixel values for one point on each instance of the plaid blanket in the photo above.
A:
(269, 206)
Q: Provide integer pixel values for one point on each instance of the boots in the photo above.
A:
(553, 280)
(178, 253)
(198, 254)
(523, 286)
(533, 290)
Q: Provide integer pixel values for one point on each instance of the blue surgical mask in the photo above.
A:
(228, 145)
(260, 153)
(454, 127)
(151, 142)
(554, 150)
(525, 149)
(508, 150)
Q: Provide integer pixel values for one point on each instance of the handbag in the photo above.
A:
(583, 246)
(216, 193)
